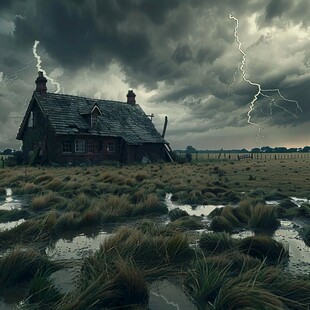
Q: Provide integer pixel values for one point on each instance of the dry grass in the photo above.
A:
(45, 201)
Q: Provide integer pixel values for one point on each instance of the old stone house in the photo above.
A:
(70, 129)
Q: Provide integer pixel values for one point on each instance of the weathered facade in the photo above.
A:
(70, 129)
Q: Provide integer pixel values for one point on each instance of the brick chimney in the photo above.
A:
(131, 97)
(41, 83)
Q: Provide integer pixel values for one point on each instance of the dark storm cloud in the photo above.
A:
(185, 50)
(289, 10)
(182, 54)
(276, 8)
(75, 33)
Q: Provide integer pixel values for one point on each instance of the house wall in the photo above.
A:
(98, 154)
(153, 151)
(35, 135)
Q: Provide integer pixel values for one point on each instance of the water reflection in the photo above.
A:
(77, 247)
(10, 225)
(199, 210)
(166, 296)
(11, 202)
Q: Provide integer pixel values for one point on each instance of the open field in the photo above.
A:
(106, 236)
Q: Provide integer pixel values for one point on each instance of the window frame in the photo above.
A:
(79, 146)
(31, 120)
(111, 147)
(66, 146)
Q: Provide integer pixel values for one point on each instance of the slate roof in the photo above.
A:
(67, 116)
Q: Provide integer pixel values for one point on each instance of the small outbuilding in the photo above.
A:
(64, 129)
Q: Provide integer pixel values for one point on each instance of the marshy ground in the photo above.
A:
(113, 236)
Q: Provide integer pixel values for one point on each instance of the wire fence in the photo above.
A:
(249, 156)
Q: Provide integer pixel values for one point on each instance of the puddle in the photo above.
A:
(297, 201)
(10, 225)
(166, 296)
(64, 279)
(199, 210)
(12, 202)
(299, 252)
(77, 247)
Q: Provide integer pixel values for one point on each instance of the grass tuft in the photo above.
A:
(20, 265)
(214, 243)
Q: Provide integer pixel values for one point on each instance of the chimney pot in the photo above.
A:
(131, 97)
(41, 83)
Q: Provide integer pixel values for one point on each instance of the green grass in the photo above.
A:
(204, 279)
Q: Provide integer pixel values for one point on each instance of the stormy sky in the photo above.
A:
(180, 57)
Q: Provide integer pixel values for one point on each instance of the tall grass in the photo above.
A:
(12, 215)
(20, 265)
(204, 279)
(146, 250)
(263, 218)
(242, 296)
(214, 243)
(45, 201)
(42, 293)
(247, 215)
(120, 287)
(263, 246)
(187, 223)
(264, 288)
(150, 205)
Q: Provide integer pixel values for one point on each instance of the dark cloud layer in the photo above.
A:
(183, 50)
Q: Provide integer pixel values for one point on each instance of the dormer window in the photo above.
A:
(94, 116)
(94, 120)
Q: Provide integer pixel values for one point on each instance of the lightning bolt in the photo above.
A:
(260, 91)
(38, 65)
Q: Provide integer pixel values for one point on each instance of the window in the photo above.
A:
(66, 146)
(94, 116)
(90, 146)
(94, 120)
(31, 120)
(111, 147)
(80, 146)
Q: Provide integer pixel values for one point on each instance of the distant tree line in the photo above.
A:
(265, 149)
